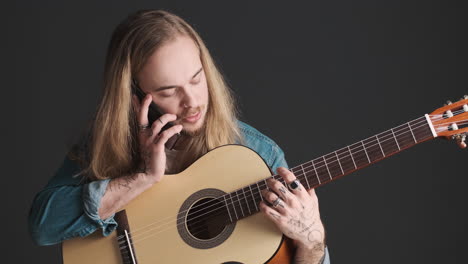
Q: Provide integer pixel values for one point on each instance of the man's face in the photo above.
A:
(174, 76)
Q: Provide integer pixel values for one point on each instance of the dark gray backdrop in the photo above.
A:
(314, 77)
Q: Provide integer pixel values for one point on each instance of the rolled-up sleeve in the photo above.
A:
(92, 195)
(66, 208)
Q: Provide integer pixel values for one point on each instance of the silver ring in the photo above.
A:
(294, 184)
(142, 127)
(276, 202)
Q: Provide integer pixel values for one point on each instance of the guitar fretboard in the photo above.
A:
(244, 202)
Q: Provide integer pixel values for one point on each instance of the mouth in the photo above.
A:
(193, 118)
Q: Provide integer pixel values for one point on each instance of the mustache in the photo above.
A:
(189, 112)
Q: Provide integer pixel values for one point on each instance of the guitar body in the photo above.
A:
(159, 236)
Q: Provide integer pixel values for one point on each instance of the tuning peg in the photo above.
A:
(461, 138)
(465, 97)
(448, 102)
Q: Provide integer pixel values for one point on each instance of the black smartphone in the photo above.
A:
(154, 113)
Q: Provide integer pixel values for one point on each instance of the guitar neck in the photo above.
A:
(341, 162)
(361, 154)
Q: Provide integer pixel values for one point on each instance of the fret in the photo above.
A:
(266, 185)
(380, 145)
(297, 171)
(239, 197)
(305, 175)
(316, 173)
(359, 154)
(326, 165)
(234, 206)
(396, 141)
(333, 165)
(259, 191)
(339, 163)
(227, 207)
(351, 154)
(404, 137)
(246, 201)
(322, 172)
(373, 149)
(309, 172)
(254, 198)
(415, 141)
(345, 160)
(387, 142)
(364, 147)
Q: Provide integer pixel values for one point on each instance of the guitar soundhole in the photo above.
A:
(203, 221)
(207, 218)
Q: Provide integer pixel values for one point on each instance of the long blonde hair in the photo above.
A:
(113, 149)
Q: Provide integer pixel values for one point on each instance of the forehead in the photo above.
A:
(173, 62)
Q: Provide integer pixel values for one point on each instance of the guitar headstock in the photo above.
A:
(451, 121)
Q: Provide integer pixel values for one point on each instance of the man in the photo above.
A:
(124, 154)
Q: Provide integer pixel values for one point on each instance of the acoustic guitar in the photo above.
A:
(209, 212)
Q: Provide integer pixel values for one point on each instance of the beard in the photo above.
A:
(194, 133)
(198, 131)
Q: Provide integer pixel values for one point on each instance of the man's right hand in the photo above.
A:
(150, 141)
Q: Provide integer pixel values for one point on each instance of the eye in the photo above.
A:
(167, 92)
(197, 78)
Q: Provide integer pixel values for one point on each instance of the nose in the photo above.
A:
(189, 98)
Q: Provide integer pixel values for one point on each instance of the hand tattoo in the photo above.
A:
(277, 216)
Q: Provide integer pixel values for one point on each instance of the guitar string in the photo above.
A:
(301, 174)
(327, 154)
(336, 161)
(382, 151)
(243, 192)
(437, 116)
(397, 130)
(238, 201)
(135, 241)
(243, 203)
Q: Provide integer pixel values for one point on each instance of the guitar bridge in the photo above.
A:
(124, 239)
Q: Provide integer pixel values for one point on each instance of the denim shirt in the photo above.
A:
(66, 207)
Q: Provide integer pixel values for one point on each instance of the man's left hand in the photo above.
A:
(295, 211)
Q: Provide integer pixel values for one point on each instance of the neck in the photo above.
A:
(178, 142)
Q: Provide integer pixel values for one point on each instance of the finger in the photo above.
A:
(166, 134)
(271, 214)
(289, 177)
(312, 193)
(279, 189)
(159, 123)
(275, 201)
(143, 113)
(314, 197)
